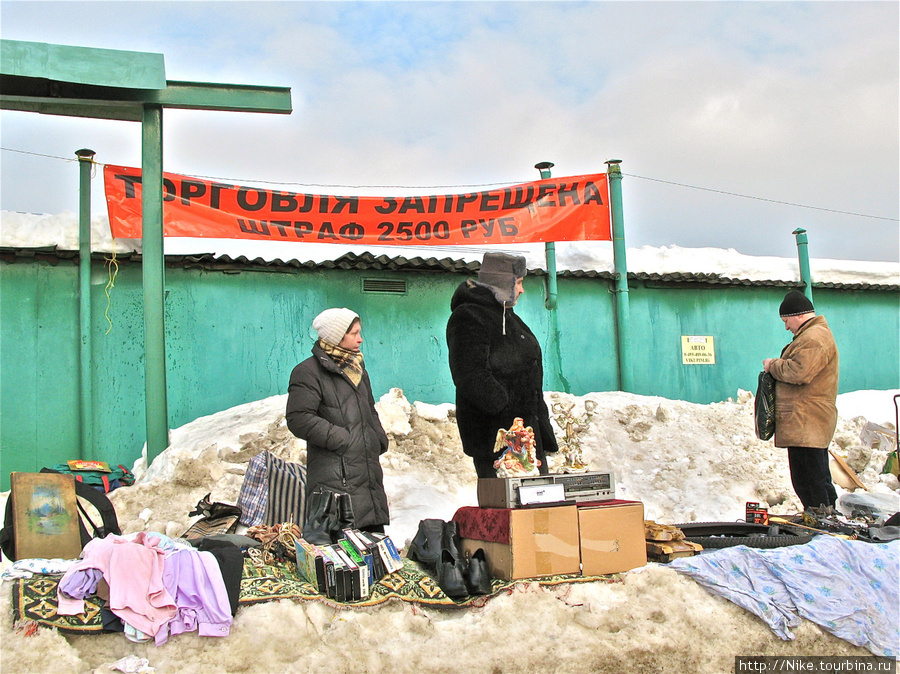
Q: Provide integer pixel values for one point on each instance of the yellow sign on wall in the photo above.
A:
(697, 350)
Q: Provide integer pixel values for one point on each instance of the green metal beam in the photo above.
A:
(78, 100)
(228, 97)
(83, 65)
(154, 283)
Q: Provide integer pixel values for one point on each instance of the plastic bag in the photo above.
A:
(764, 406)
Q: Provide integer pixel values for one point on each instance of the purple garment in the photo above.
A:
(195, 581)
(81, 584)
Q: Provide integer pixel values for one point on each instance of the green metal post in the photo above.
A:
(803, 255)
(154, 281)
(552, 293)
(623, 341)
(549, 248)
(86, 399)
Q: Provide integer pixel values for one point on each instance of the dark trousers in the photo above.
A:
(811, 476)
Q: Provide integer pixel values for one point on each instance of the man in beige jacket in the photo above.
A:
(806, 386)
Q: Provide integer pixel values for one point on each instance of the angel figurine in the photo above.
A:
(570, 447)
(517, 445)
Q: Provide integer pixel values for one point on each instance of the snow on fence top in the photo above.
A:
(27, 230)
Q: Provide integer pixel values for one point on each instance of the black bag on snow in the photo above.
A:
(764, 406)
(109, 523)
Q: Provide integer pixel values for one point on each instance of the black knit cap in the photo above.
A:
(795, 303)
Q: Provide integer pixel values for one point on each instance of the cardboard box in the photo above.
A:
(611, 537)
(542, 542)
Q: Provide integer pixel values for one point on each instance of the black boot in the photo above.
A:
(452, 540)
(426, 546)
(346, 520)
(478, 575)
(450, 575)
(321, 517)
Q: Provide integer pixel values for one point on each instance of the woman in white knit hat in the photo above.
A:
(330, 405)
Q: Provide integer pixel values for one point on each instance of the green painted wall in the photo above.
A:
(234, 338)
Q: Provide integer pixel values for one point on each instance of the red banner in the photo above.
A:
(561, 209)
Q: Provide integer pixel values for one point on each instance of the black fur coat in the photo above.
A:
(498, 376)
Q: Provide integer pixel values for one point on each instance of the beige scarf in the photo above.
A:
(348, 362)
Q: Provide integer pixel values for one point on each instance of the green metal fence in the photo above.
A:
(234, 332)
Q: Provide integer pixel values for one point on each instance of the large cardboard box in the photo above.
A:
(540, 542)
(611, 537)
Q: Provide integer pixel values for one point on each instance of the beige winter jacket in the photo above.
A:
(806, 386)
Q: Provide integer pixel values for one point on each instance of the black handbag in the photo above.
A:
(764, 406)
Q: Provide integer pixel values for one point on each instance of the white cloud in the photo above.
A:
(794, 102)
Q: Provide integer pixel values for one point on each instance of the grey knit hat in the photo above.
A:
(795, 303)
(499, 272)
(332, 324)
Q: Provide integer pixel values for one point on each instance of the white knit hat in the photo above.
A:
(332, 324)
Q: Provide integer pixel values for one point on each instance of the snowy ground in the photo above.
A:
(684, 461)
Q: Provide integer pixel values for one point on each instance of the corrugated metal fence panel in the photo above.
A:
(38, 365)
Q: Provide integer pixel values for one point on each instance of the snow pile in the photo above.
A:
(684, 461)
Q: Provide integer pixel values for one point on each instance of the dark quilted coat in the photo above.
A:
(343, 434)
(498, 377)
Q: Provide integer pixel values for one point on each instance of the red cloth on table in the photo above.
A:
(492, 524)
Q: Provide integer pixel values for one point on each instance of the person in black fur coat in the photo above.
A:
(496, 364)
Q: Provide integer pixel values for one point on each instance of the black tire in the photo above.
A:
(717, 535)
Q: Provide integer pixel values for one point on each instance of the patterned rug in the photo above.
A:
(34, 599)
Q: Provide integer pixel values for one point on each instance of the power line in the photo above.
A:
(476, 185)
(38, 154)
(748, 196)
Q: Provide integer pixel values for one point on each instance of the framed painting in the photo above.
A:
(45, 516)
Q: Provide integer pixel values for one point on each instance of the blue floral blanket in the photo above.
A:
(849, 588)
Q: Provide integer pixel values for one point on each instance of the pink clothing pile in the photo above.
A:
(156, 587)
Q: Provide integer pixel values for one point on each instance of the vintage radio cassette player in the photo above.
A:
(516, 492)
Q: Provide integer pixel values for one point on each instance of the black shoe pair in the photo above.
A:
(436, 546)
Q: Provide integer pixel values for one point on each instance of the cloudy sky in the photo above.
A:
(736, 122)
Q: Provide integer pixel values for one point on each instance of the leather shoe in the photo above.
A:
(478, 575)
(450, 576)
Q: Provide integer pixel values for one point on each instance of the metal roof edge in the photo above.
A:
(366, 261)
